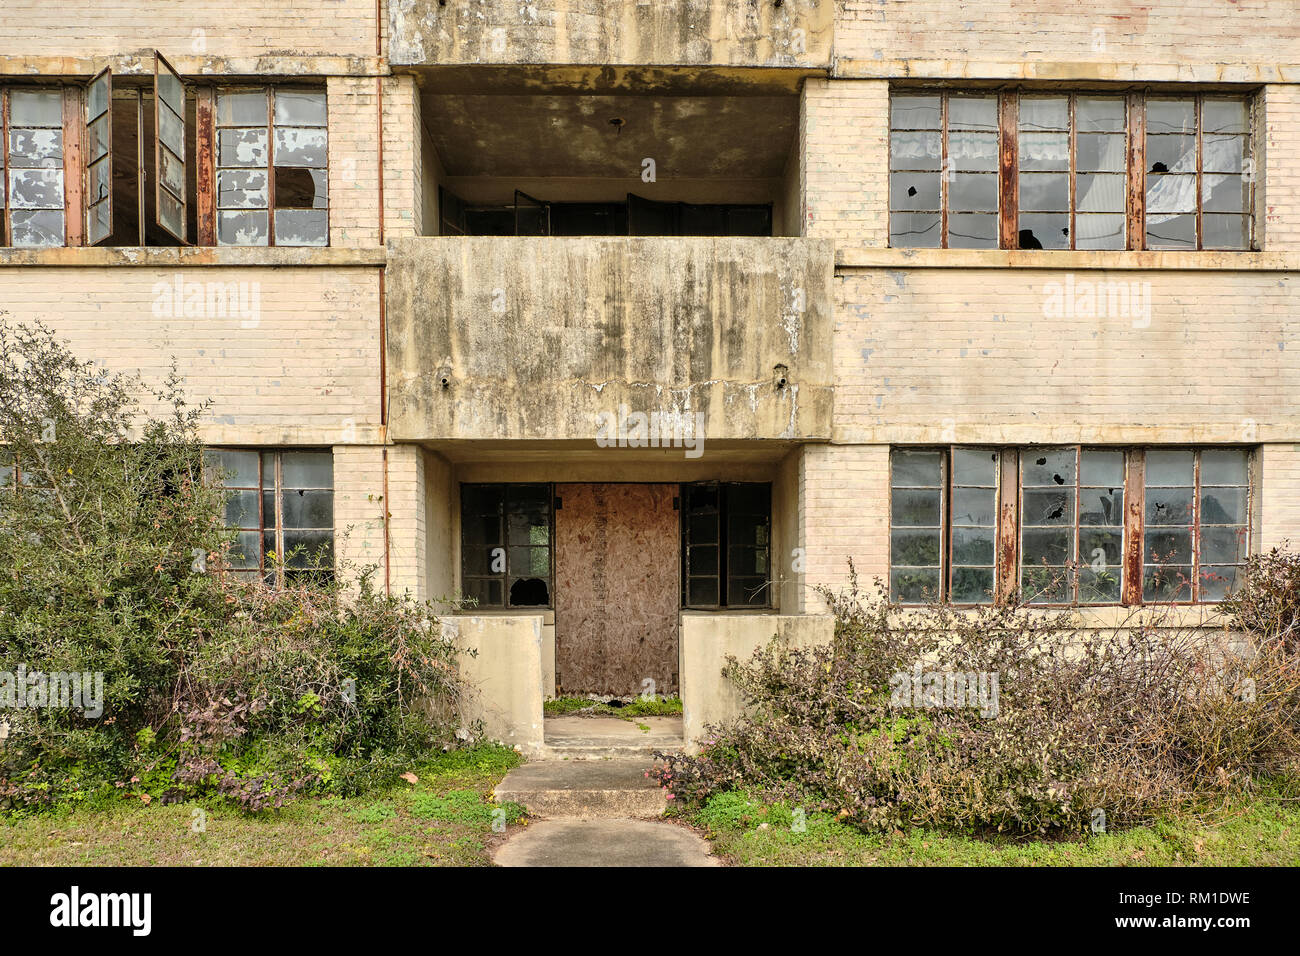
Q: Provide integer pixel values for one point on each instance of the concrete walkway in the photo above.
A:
(604, 842)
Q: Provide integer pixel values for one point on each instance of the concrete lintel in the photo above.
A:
(192, 256)
(863, 257)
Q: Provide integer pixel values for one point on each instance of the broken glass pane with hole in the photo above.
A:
(914, 191)
(1048, 506)
(1044, 230)
(1048, 468)
(1171, 154)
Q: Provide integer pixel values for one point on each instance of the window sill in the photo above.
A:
(191, 256)
(868, 257)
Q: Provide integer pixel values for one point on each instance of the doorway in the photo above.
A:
(617, 588)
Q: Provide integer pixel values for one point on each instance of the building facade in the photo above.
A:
(634, 322)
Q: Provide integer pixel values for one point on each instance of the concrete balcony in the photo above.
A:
(577, 33)
(538, 338)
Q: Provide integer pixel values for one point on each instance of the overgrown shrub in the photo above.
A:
(1089, 728)
(111, 536)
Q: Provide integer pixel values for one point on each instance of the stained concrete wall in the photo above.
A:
(501, 656)
(739, 33)
(709, 639)
(537, 337)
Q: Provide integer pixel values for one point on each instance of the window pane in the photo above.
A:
(1099, 232)
(973, 192)
(973, 113)
(299, 108)
(299, 147)
(1171, 115)
(36, 227)
(972, 231)
(241, 147)
(1217, 582)
(233, 468)
(702, 592)
(1099, 114)
(1044, 112)
(1224, 154)
(307, 509)
(1045, 231)
(1101, 192)
(1096, 152)
(1102, 468)
(1168, 546)
(1045, 192)
(973, 466)
(1224, 466)
(1044, 151)
(973, 506)
(1101, 506)
(972, 546)
(914, 191)
(1048, 467)
(1170, 467)
(1224, 545)
(1223, 193)
(1172, 232)
(241, 510)
(1225, 231)
(917, 468)
(972, 585)
(1225, 115)
(1223, 505)
(36, 148)
(914, 585)
(914, 112)
(1048, 506)
(242, 189)
(242, 228)
(914, 548)
(309, 549)
(301, 227)
(973, 151)
(307, 469)
(1167, 583)
(35, 108)
(914, 151)
(1169, 506)
(1171, 154)
(919, 230)
(242, 109)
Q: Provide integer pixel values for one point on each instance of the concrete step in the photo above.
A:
(585, 789)
(591, 738)
(612, 751)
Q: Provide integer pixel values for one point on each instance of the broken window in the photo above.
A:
(726, 544)
(271, 167)
(1072, 526)
(1197, 159)
(1067, 171)
(1069, 524)
(506, 540)
(943, 161)
(1197, 523)
(31, 161)
(528, 216)
(280, 503)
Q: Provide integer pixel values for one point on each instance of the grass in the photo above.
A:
(444, 819)
(639, 707)
(744, 832)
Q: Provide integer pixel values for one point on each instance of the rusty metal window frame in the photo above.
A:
(272, 523)
(722, 576)
(1133, 564)
(208, 146)
(503, 541)
(1135, 167)
(70, 130)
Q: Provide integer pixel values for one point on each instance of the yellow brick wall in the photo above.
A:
(1278, 163)
(299, 366)
(353, 161)
(974, 355)
(846, 514)
(359, 510)
(1280, 496)
(846, 179)
(403, 159)
(198, 28)
(1214, 40)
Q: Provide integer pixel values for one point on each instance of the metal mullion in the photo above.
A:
(1073, 165)
(1135, 207)
(1078, 479)
(1134, 519)
(1200, 162)
(270, 165)
(945, 534)
(1196, 519)
(279, 518)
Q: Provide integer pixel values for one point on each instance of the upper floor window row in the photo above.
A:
(167, 163)
(1020, 170)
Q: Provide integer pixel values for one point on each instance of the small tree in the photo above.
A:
(110, 539)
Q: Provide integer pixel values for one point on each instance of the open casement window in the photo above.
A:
(451, 213)
(280, 503)
(507, 534)
(169, 148)
(1070, 525)
(1083, 170)
(726, 544)
(97, 149)
(33, 198)
(532, 216)
(271, 167)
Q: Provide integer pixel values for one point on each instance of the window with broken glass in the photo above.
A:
(1026, 170)
(506, 542)
(272, 152)
(32, 197)
(726, 544)
(1087, 526)
(281, 505)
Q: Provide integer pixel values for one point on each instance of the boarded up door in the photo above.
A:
(617, 588)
